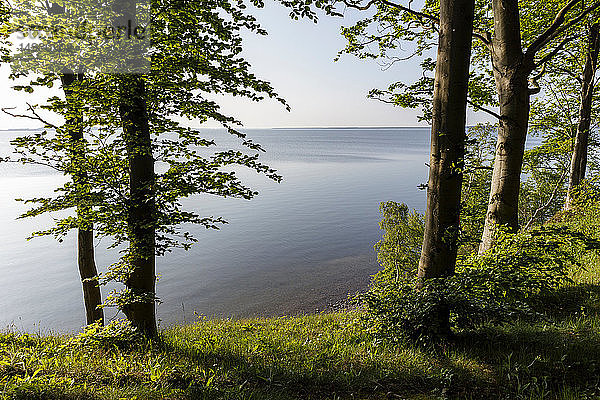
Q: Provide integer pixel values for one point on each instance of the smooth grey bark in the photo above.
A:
(512, 67)
(511, 71)
(140, 308)
(448, 136)
(87, 270)
(141, 213)
(580, 147)
(85, 237)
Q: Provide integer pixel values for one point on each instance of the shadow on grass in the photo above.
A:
(520, 360)
(293, 359)
(569, 301)
(560, 351)
(35, 392)
(326, 377)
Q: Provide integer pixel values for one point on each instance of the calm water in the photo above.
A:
(297, 247)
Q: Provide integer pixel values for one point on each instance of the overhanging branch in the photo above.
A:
(485, 110)
(34, 115)
(557, 27)
(485, 37)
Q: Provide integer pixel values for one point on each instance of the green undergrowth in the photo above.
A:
(555, 355)
(324, 356)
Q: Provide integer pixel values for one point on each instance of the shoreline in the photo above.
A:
(323, 287)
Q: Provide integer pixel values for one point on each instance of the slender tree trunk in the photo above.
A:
(85, 237)
(141, 215)
(141, 212)
(511, 72)
(579, 157)
(87, 270)
(438, 255)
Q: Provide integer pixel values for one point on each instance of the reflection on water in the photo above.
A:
(298, 246)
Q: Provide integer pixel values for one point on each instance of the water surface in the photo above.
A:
(299, 246)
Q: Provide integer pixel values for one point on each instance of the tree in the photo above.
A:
(438, 255)
(92, 298)
(562, 114)
(85, 233)
(499, 55)
(512, 67)
(138, 119)
(66, 152)
(448, 111)
(580, 147)
(141, 210)
(71, 162)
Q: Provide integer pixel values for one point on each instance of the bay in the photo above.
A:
(300, 246)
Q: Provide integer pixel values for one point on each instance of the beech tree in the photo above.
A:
(565, 112)
(512, 55)
(69, 158)
(447, 139)
(138, 119)
(92, 298)
(513, 66)
(580, 145)
(438, 254)
(85, 233)
(452, 31)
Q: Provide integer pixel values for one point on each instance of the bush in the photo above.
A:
(118, 333)
(399, 249)
(584, 216)
(495, 287)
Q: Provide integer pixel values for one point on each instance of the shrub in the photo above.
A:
(399, 249)
(584, 216)
(118, 333)
(495, 287)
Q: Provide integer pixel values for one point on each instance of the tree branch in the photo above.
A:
(545, 205)
(554, 52)
(485, 37)
(35, 116)
(480, 108)
(31, 161)
(557, 27)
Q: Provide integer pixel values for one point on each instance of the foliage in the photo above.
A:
(399, 249)
(554, 119)
(119, 333)
(189, 61)
(585, 213)
(479, 157)
(391, 34)
(195, 54)
(496, 287)
(553, 122)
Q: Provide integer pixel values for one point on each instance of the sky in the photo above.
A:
(297, 57)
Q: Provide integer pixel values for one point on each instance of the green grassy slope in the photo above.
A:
(326, 356)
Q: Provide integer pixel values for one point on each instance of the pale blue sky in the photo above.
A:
(297, 58)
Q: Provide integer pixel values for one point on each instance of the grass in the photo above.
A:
(324, 356)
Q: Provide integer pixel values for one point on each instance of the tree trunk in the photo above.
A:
(85, 238)
(579, 157)
(141, 208)
(511, 72)
(141, 214)
(87, 270)
(438, 255)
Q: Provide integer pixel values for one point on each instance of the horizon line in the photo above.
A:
(283, 127)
